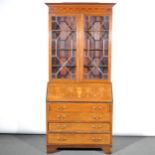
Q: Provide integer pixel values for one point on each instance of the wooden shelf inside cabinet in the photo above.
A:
(79, 91)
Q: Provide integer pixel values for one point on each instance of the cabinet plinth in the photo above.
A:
(79, 91)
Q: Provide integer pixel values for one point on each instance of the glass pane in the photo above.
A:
(96, 47)
(63, 47)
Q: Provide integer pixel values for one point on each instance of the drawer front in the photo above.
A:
(79, 127)
(79, 107)
(79, 138)
(79, 117)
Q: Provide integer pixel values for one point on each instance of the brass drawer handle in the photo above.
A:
(97, 107)
(61, 108)
(97, 127)
(96, 117)
(61, 139)
(61, 117)
(62, 126)
(97, 139)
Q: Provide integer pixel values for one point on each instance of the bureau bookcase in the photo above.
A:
(79, 91)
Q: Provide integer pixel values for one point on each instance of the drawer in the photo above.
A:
(79, 138)
(80, 107)
(79, 117)
(79, 127)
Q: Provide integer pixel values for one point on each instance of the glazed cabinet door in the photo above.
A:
(96, 47)
(63, 47)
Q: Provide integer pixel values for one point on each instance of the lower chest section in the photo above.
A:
(79, 123)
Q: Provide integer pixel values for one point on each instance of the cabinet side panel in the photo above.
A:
(49, 46)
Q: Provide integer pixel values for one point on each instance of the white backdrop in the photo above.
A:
(24, 66)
